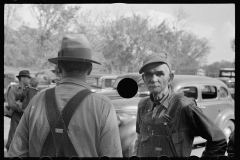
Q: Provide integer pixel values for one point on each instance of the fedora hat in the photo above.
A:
(74, 47)
(24, 73)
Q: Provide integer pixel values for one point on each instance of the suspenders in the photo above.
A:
(169, 116)
(58, 143)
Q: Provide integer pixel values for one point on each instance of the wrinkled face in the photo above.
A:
(25, 80)
(156, 77)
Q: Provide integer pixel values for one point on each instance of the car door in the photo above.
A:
(210, 103)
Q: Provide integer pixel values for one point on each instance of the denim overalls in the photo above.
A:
(155, 140)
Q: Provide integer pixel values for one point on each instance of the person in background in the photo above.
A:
(15, 97)
(34, 82)
(69, 120)
(30, 91)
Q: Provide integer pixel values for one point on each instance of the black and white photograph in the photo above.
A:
(119, 80)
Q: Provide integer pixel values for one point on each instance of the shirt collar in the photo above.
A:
(75, 81)
(164, 101)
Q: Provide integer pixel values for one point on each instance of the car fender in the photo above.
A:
(226, 114)
(128, 133)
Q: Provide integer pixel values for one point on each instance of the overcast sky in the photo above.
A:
(213, 21)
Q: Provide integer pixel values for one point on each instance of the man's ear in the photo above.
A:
(171, 76)
(89, 71)
(59, 68)
(143, 77)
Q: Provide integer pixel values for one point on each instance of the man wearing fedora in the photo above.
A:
(69, 120)
(167, 122)
(15, 97)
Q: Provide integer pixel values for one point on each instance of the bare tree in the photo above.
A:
(10, 18)
(10, 14)
(124, 42)
(52, 18)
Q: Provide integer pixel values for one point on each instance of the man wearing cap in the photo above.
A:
(69, 120)
(167, 122)
(15, 97)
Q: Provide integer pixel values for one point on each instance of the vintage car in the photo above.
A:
(46, 78)
(113, 94)
(211, 95)
(101, 82)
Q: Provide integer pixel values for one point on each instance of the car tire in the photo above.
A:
(228, 128)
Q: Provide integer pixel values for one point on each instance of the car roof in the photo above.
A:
(134, 76)
(103, 75)
(188, 79)
(130, 102)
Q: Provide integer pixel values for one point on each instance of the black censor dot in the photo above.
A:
(127, 88)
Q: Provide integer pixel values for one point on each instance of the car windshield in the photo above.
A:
(225, 73)
(94, 82)
(109, 83)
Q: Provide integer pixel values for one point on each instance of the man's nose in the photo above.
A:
(154, 78)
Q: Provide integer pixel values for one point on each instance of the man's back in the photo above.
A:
(92, 129)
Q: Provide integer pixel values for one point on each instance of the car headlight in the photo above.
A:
(119, 119)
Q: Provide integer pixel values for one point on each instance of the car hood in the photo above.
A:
(111, 94)
(124, 104)
(102, 91)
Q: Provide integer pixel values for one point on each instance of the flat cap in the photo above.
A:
(153, 58)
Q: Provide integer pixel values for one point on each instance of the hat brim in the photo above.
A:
(151, 62)
(23, 76)
(55, 60)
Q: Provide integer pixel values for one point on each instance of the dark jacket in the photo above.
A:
(29, 92)
(188, 122)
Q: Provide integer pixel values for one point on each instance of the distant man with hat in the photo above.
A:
(69, 120)
(15, 97)
(167, 122)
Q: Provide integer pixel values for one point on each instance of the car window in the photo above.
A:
(223, 93)
(94, 82)
(209, 92)
(190, 92)
(109, 83)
